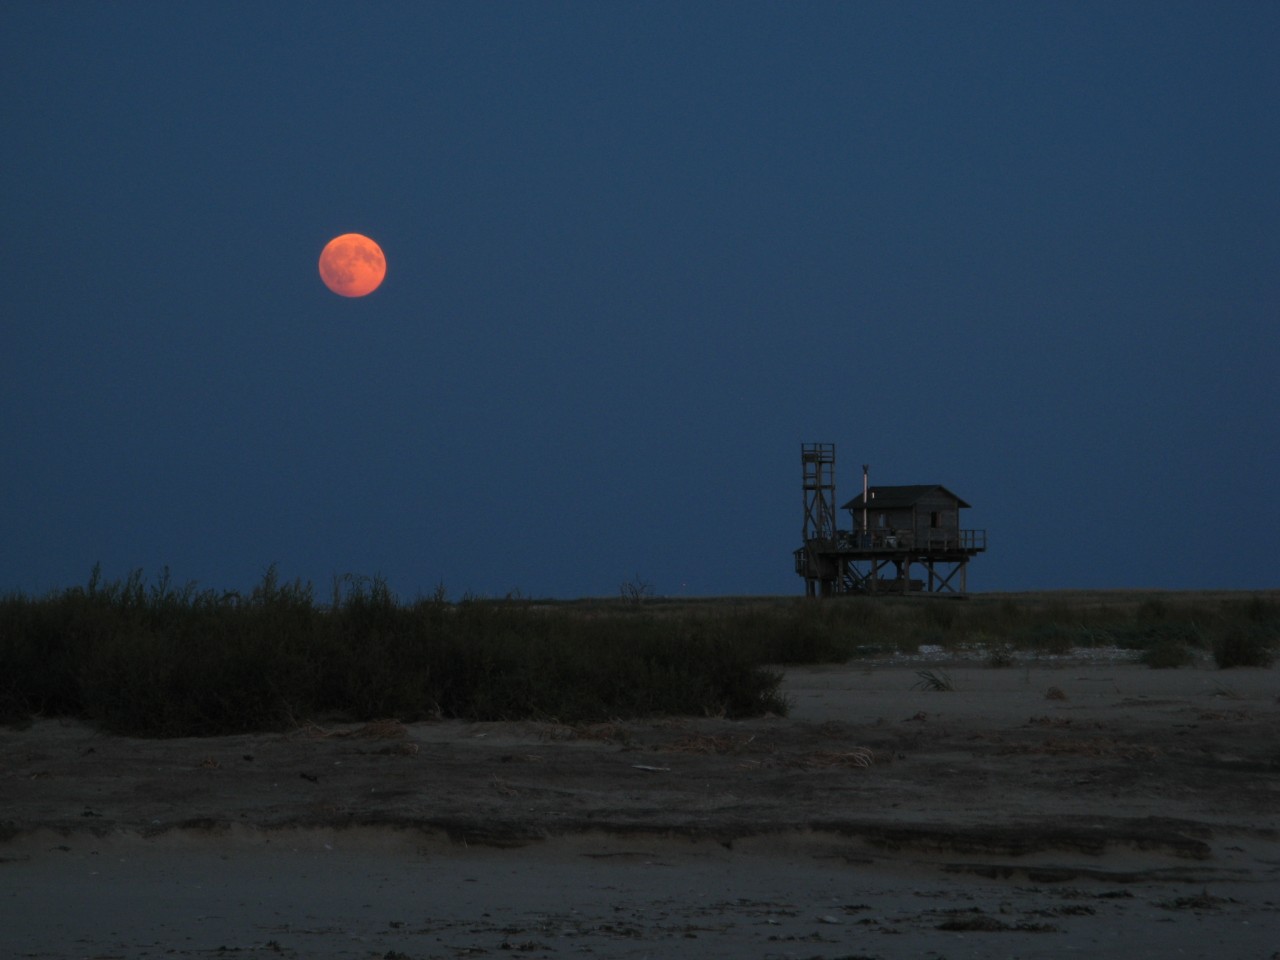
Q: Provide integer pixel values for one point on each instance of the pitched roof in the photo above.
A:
(898, 498)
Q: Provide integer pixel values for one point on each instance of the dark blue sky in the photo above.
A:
(637, 255)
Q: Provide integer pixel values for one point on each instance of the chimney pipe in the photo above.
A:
(865, 468)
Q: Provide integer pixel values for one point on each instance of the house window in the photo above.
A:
(935, 519)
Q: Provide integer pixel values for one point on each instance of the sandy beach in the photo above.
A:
(1056, 807)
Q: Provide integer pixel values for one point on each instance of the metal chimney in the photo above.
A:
(865, 470)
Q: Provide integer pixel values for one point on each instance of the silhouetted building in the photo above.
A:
(891, 529)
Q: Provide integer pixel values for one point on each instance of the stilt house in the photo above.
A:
(891, 529)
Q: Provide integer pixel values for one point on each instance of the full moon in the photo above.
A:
(352, 265)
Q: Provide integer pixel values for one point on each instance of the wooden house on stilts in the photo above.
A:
(891, 529)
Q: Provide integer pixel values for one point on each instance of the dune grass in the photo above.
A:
(155, 659)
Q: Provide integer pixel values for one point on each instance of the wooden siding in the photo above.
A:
(934, 517)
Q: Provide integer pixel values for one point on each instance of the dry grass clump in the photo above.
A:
(857, 758)
(604, 732)
(387, 729)
(705, 744)
(611, 731)
(379, 730)
(936, 680)
(1001, 655)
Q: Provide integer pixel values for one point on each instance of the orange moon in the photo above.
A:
(352, 265)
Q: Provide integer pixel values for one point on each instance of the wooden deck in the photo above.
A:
(880, 561)
(935, 541)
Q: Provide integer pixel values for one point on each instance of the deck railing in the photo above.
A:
(889, 540)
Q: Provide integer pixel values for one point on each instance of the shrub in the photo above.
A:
(1244, 647)
(999, 655)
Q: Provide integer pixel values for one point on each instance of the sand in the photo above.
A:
(1053, 808)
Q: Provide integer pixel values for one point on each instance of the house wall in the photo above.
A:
(916, 521)
(948, 517)
(885, 520)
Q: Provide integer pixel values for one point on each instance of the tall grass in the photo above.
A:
(171, 660)
(159, 661)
